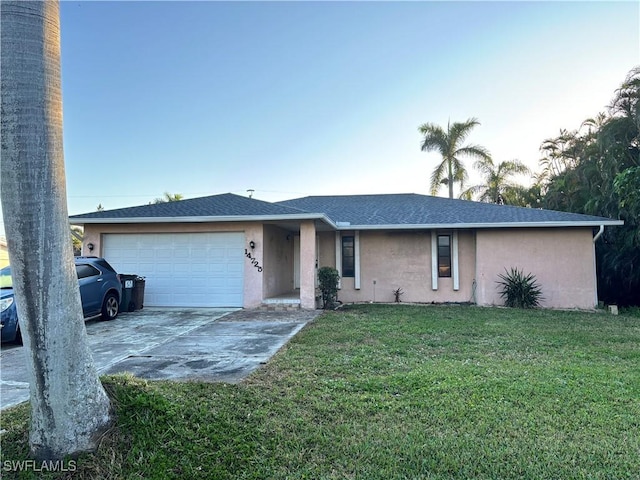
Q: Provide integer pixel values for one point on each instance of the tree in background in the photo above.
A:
(69, 406)
(594, 170)
(497, 186)
(449, 144)
(168, 197)
(76, 239)
(533, 195)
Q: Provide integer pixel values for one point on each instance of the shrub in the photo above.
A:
(328, 279)
(519, 290)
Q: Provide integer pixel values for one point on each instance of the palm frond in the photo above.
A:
(437, 176)
(474, 151)
(513, 167)
(469, 193)
(484, 165)
(459, 131)
(434, 138)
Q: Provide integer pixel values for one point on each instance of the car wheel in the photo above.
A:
(18, 338)
(110, 307)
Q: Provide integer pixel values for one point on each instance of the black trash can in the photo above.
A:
(128, 286)
(137, 297)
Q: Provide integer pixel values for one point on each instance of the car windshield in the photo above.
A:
(5, 278)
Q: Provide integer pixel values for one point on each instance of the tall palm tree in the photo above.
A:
(69, 406)
(450, 145)
(497, 186)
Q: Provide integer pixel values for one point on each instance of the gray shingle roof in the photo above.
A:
(413, 209)
(224, 205)
(368, 211)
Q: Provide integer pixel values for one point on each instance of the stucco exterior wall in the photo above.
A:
(278, 261)
(327, 249)
(253, 279)
(391, 260)
(561, 259)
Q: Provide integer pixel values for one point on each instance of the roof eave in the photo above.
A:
(332, 224)
(434, 226)
(201, 219)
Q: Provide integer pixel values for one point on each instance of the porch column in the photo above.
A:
(308, 265)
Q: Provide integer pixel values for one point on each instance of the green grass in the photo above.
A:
(392, 392)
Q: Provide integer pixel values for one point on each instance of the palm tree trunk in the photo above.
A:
(69, 407)
(450, 180)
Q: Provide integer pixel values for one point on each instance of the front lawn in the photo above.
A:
(392, 391)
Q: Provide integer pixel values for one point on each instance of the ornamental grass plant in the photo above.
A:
(519, 290)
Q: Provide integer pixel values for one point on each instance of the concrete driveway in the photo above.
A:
(201, 344)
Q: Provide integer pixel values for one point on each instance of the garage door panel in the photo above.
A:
(218, 269)
(162, 267)
(217, 283)
(182, 268)
(235, 269)
(198, 269)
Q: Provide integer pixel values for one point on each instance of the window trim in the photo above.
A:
(448, 256)
(351, 271)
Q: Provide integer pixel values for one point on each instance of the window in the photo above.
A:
(348, 256)
(444, 255)
(102, 263)
(85, 271)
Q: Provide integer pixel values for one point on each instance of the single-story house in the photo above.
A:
(233, 251)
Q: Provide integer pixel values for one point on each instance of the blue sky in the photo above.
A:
(307, 98)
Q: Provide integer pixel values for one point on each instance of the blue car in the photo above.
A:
(100, 290)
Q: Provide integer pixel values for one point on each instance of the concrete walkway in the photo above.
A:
(201, 344)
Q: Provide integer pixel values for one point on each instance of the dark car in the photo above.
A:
(100, 290)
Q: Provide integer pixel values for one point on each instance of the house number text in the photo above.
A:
(254, 262)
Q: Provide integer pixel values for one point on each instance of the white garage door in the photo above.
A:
(182, 269)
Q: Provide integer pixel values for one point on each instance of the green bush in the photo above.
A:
(519, 290)
(328, 279)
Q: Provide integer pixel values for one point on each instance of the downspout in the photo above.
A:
(595, 280)
(599, 234)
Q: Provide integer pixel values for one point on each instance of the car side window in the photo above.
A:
(85, 271)
(105, 266)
